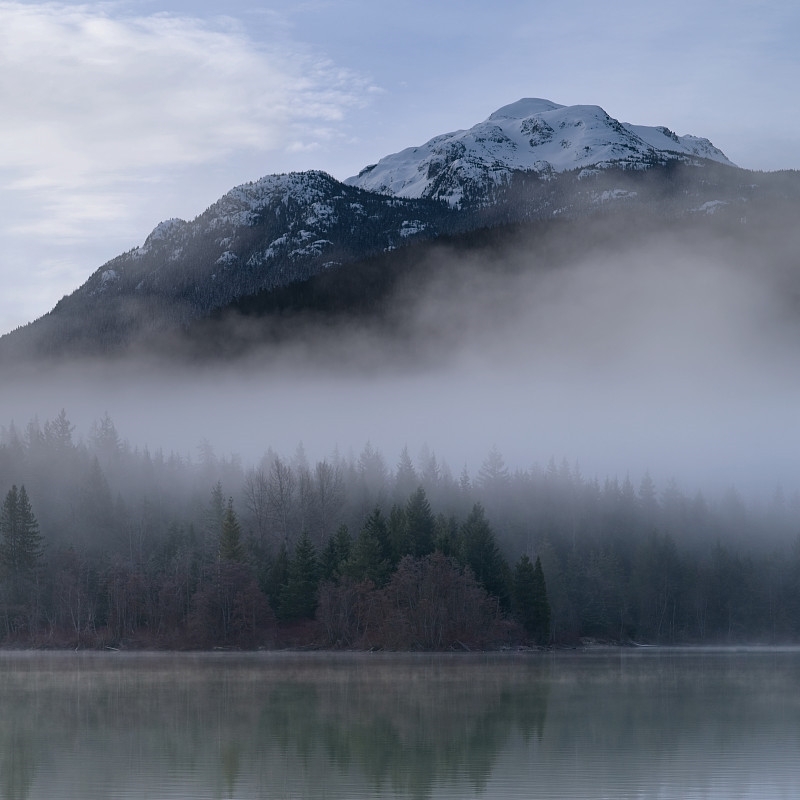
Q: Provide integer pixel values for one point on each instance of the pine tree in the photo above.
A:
(20, 540)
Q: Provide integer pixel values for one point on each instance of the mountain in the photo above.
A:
(276, 231)
(284, 242)
(529, 136)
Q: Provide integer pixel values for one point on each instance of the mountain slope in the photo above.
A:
(532, 160)
(273, 232)
(531, 135)
(277, 230)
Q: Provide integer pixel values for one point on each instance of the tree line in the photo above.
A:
(103, 544)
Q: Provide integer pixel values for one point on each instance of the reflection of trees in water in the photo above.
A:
(230, 759)
(384, 722)
(338, 725)
(17, 763)
(409, 729)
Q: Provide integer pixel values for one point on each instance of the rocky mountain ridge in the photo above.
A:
(530, 136)
(529, 161)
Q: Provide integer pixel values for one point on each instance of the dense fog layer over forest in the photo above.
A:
(623, 344)
(105, 544)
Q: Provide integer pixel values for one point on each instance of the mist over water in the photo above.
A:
(658, 353)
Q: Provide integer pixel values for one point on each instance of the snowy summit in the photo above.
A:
(531, 135)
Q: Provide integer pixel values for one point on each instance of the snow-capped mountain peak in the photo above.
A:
(532, 135)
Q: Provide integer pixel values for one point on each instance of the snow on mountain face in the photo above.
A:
(531, 135)
(262, 234)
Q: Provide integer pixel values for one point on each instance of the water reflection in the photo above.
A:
(617, 724)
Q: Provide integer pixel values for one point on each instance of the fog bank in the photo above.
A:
(663, 354)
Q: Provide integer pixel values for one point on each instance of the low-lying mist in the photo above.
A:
(672, 352)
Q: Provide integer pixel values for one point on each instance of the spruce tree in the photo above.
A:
(369, 558)
(541, 604)
(20, 540)
(230, 538)
(397, 534)
(334, 554)
(420, 523)
(446, 536)
(405, 478)
(299, 594)
(529, 599)
(479, 552)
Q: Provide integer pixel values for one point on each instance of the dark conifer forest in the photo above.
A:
(103, 545)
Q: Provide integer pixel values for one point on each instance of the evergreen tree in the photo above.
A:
(20, 540)
(397, 534)
(105, 440)
(212, 522)
(299, 594)
(480, 553)
(529, 599)
(334, 554)
(369, 556)
(446, 536)
(58, 433)
(405, 477)
(493, 474)
(541, 605)
(230, 537)
(420, 524)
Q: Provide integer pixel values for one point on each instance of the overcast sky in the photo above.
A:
(115, 116)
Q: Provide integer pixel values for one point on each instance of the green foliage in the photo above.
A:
(369, 559)
(447, 539)
(298, 597)
(420, 524)
(335, 554)
(529, 602)
(398, 534)
(125, 563)
(230, 537)
(20, 540)
(479, 552)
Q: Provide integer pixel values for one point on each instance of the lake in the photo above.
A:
(629, 723)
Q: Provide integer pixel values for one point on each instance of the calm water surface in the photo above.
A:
(607, 724)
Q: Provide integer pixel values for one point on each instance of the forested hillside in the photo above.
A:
(104, 545)
(307, 241)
